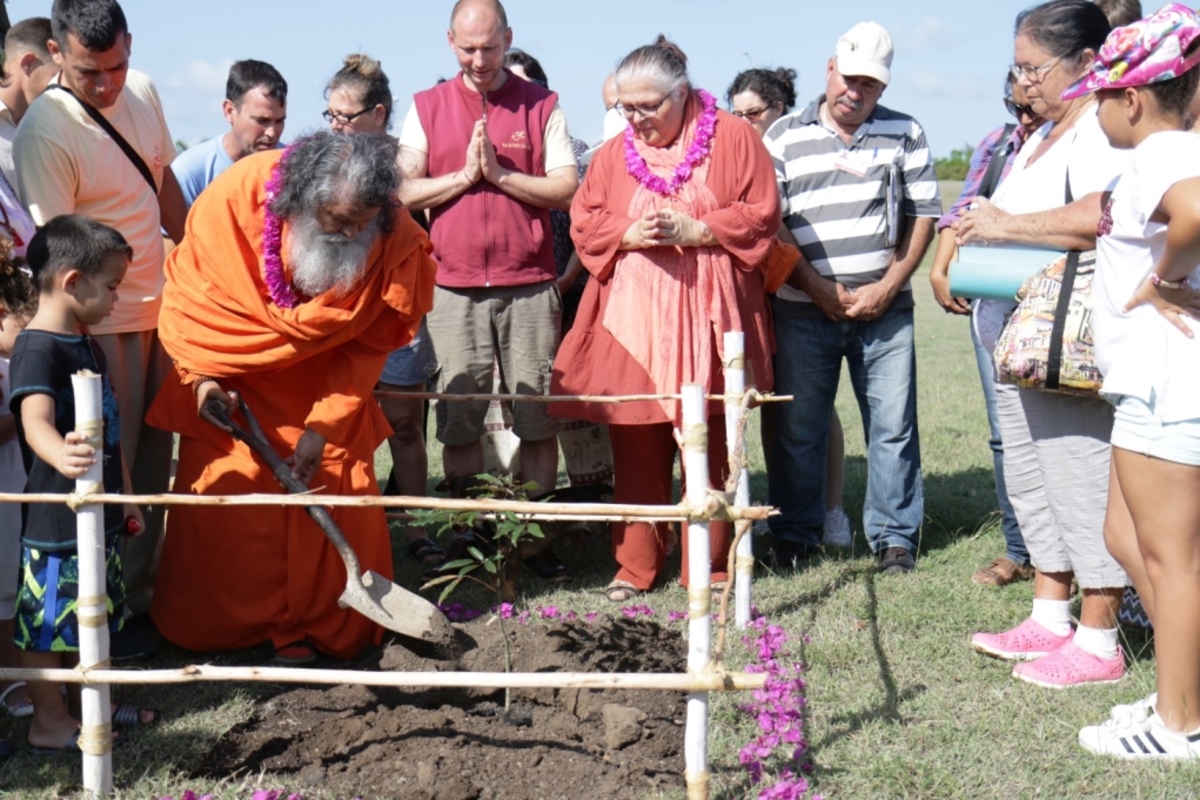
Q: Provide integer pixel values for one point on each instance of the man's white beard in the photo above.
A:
(322, 261)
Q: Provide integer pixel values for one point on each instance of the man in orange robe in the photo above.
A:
(297, 276)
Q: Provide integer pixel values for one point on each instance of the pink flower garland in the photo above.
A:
(278, 286)
(698, 150)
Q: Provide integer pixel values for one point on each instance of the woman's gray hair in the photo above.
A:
(662, 64)
(327, 167)
(1064, 28)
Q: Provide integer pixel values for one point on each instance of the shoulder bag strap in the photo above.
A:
(1000, 155)
(115, 135)
(1054, 359)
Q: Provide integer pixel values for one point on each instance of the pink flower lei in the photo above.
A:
(278, 285)
(699, 149)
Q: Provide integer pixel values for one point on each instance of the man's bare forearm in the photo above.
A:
(419, 194)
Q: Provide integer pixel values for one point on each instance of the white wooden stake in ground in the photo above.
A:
(735, 386)
(694, 441)
(95, 738)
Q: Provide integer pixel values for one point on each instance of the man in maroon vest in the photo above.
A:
(489, 155)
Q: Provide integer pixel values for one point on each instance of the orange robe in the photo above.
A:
(232, 577)
(590, 360)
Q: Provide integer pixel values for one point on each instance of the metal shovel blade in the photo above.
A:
(385, 603)
(370, 594)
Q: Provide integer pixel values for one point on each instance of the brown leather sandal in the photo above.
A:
(1002, 572)
(620, 591)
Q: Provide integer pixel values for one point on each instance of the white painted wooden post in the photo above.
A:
(735, 386)
(95, 739)
(695, 459)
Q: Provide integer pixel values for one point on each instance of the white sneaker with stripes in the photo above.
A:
(1128, 738)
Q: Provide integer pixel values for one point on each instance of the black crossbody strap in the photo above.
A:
(1054, 357)
(991, 178)
(115, 135)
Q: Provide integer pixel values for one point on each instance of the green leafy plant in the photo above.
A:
(486, 569)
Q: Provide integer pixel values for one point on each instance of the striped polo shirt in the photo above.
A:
(835, 196)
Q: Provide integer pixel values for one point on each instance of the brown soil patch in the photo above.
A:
(451, 744)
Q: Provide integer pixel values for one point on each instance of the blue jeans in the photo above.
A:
(1014, 544)
(883, 371)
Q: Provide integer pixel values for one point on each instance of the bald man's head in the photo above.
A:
(487, 7)
(610, 91)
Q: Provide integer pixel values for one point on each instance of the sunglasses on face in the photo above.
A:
(1017, 109)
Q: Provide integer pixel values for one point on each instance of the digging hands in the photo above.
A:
(211, 391)
(307, 458)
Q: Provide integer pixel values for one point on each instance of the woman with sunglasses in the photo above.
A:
(761, 96)
(672, 221)
(1056, 446)
(360, 101)
(1003, 143)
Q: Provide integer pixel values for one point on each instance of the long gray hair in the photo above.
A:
(327, 167)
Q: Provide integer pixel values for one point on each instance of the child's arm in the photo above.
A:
(1180, 209)
(70, 455)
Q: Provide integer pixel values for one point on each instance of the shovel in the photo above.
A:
(370, 594)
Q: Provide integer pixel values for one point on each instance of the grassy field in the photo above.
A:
(900, 706)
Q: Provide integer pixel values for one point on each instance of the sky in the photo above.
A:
(948, 70)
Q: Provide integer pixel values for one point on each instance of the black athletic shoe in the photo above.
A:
(896, 561)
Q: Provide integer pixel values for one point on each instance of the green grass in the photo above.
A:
(900, 706)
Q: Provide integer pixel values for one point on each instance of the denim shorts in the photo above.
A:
(412, 364)
(1138, 429)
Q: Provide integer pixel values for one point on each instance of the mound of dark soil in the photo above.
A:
(453, 744)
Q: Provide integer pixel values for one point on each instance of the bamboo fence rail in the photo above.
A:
(704, 675)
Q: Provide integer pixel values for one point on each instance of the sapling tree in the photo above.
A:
(486, 569)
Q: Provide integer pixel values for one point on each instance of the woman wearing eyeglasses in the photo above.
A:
(1056, 446)
(1003, 143)
(672, 220)
(761, 96)
(360, 101)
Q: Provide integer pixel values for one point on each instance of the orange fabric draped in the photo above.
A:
(670, 305)
(234, 577)
(745, 219)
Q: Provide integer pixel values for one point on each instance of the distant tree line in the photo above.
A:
(954, 166)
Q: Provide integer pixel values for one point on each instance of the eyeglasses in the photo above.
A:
(1033, 74)
(1017, 110)
(752, 113)
(647, 112)
(342, 119)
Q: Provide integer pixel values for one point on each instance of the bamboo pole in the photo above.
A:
(570, 511)
(694, 442)
(707, 680)
(567, 398)
(735, 386)
(95, 737)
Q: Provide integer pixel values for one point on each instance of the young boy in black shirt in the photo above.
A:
(77, 264)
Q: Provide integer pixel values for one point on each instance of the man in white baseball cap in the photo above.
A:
(859, 197)
(866, 50)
